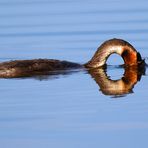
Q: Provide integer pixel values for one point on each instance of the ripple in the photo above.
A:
(72, 33)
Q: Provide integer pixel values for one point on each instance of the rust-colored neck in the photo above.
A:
(121, 47)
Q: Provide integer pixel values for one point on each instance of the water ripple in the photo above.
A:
(71, 33)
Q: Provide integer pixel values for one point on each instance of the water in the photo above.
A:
(71, 110)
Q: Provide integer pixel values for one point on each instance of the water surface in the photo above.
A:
(70, 110)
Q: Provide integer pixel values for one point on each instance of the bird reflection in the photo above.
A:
(120, 87)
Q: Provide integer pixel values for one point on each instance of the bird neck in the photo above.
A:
(118, 46)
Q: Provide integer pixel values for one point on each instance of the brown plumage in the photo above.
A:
(121, 47)
(25, 68)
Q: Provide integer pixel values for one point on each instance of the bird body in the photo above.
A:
(25, 68)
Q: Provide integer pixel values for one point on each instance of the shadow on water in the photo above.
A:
(119, 87)
(45, 76)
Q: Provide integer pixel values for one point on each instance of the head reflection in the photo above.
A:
(120, 87)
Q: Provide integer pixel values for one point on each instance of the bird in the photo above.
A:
(28, 68)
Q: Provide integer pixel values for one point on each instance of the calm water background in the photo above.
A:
(69, 110)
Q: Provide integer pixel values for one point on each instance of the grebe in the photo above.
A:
(25, 68)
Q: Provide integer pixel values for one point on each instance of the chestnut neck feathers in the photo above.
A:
(121, 47)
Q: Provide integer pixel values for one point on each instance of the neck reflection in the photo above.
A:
(120, 87)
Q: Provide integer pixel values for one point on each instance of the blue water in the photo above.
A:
(70, 110)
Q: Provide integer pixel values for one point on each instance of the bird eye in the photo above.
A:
(139, 57)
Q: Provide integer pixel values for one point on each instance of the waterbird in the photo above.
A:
(28, 68)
